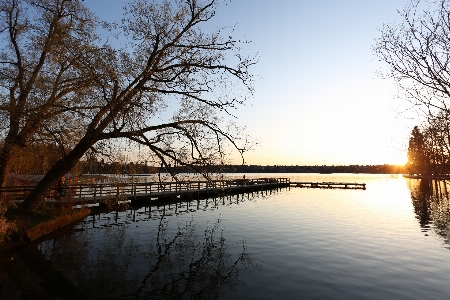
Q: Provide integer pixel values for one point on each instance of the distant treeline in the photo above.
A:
(38, 161)
(100, 167)
(370, 169)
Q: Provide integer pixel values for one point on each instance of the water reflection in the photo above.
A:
(315, 244)
(137, 254)
(431, 203)
(190, 266)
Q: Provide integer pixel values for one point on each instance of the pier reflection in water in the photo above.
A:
(141, 253)
(170, 264)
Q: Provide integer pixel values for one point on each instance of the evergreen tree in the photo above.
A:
(418, 160)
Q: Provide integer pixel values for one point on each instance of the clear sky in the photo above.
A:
(318, 99)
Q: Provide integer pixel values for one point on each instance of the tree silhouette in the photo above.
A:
(418, 160)
(169, 61)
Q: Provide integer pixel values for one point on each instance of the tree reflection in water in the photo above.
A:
(431, 201)
(119, 262)
(190, 266)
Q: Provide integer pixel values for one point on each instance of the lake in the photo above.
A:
(390, 241)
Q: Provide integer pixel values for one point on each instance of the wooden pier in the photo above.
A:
(329, 185)
(96, 193)
(147, 192)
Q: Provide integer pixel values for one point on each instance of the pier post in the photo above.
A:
(150, 198)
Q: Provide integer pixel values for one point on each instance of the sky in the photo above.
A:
(318, 99)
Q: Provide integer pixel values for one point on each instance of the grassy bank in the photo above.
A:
(17, 229)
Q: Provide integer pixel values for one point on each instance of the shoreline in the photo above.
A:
(26, 233)
(443, 177)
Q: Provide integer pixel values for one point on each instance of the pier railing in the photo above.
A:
(100, 191)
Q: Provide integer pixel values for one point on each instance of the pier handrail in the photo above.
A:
(97, 190)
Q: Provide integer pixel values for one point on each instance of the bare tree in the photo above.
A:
(46, 73)
(168, 61)
(417, 52)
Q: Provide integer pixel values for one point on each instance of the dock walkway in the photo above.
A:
(79, 194)
(329, 185)
(96, 193)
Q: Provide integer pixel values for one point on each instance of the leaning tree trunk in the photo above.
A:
(6, 157)
(37, 196)
(5, 165)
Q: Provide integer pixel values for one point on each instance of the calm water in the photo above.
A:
(391, 241)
